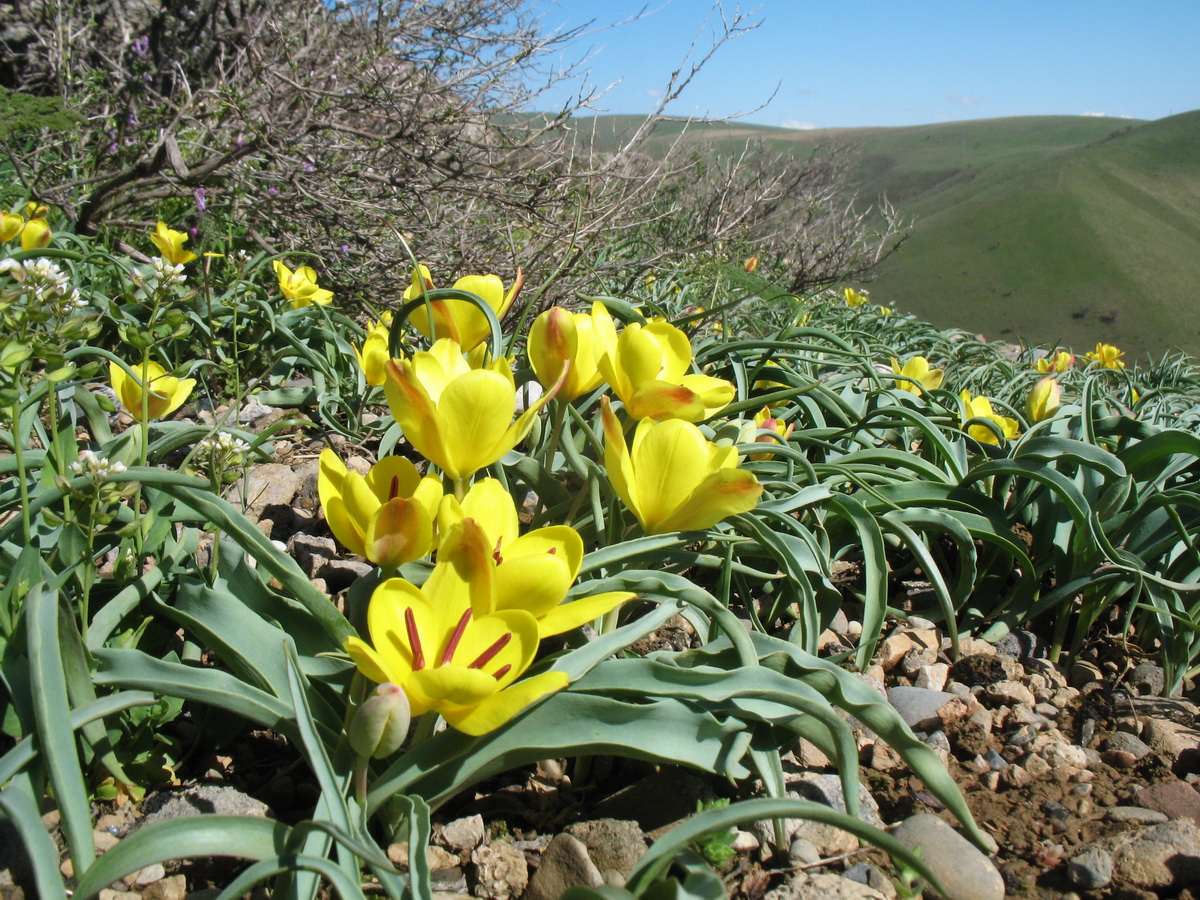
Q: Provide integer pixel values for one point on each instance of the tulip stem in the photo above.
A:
(19, 454)
(426, 727)
(361, 766)
(560, 415)
(460, 489)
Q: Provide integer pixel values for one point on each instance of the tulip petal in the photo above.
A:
(670, 459)
(504, 705)
(675, 350)
(722, 494)
(367, 660)
(566, 616)
(345, 527)
(491, 505)
(399, 532)
(476, 409)
(393, 476)
(455, 685)
(617, 462)
(413, 409)
(714, 393)
(536, 583)
(661, 400)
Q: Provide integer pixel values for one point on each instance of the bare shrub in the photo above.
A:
(340, 130)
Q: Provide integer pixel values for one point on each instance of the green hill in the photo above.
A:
(1055, 228)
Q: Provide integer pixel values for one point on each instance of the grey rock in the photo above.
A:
(1146, 679)
(1136, 815)
(963, 871)
(565, 864)
(197, 800)
(822, 886)
(613, 844)
(312, 552)
(464, 834)
(267, 485)
(827, 789)
(918, 707)
(1176, 799)
(803, 852)
(872, 877)
(1162, 857)
(1092, 869)
(501, 872)
(1126, 743)
(1022, 644)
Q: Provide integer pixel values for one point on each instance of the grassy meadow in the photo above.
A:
(1071, 229)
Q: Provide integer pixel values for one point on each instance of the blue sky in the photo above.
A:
(846, 63)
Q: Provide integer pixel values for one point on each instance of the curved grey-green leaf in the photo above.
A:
(43, 854)
(138, 670)
(291, 863)
(245, 837)
(24, 752)
(656, 860)
(52, 712)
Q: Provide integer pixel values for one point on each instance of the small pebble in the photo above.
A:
(1137, 815)
(1092, 869)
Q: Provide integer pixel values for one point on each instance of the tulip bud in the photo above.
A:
(1043, 400)
(751, 264)
(381, 722)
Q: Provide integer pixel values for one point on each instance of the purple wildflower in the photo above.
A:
(201, 200)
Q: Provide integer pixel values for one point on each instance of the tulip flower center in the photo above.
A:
(414, 640)
(489, 654)
(452, 645)
(456, 637)
(394, 488)
(496, 553)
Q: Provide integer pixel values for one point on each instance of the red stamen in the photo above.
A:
(394, 488)
(502, 671)
(496, 553)
(490, 653)
(456, 637)
(552, 550)
(414, 640)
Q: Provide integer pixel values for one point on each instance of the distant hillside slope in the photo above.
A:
(1055, 228)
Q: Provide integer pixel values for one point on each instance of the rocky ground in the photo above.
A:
(1085, 776)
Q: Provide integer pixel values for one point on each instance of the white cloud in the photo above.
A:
(1098, 115)
(960, 100)
(654, 93)
(797, 125)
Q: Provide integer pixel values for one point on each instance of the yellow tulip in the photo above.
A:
(1108, 356)
(166, 393)
(533, 571)
(981, 408)
(558, 338)
(1059, 362)
(648, 366)
(386, 517)
(11, 224)
(300, 286)
(373, 356)
(36, 234)
(675, 479)
(447, 649)
(764, 421)
(751, 264)
(170, 244)
(457, 319)
(1043, 400)
(917, 369)
(854, 298)
(458, 417)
